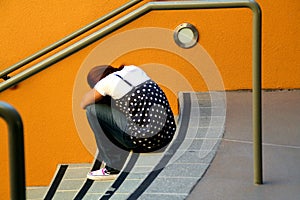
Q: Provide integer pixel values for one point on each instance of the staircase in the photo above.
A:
(171, 174)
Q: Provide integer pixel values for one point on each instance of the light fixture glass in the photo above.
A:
(186, 35)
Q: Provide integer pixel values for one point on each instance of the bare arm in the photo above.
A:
(90, 97)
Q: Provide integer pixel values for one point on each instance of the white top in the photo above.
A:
(115, 87)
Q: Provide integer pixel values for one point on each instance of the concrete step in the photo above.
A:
(36, 193)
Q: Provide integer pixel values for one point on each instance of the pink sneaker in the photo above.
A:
(101, 174)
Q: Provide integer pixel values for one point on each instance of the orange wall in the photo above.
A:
(47, 103)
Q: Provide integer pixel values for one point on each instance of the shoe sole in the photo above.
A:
(102, 178)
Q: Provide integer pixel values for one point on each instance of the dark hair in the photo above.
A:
(99, 72)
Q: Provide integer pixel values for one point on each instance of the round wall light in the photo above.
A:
(186, 35)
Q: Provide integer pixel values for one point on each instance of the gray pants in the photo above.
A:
(109, 127)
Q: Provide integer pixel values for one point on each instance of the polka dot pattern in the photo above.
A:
(151, 122)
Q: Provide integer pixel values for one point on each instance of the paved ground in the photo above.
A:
(230, 176)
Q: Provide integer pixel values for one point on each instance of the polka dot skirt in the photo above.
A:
(151, 122)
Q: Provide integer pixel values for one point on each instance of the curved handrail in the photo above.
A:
(169, 5)
(5, 72)
(16, 151)
(177, 5)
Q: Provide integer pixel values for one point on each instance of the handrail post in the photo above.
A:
(257, 99)
(16, 151)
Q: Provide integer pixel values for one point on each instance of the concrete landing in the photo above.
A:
(230, 175)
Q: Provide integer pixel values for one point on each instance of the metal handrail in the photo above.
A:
(5, 72)
(178, 5)
(16, 151)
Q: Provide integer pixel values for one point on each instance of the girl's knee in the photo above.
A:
(89, 109)
(99, 110)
